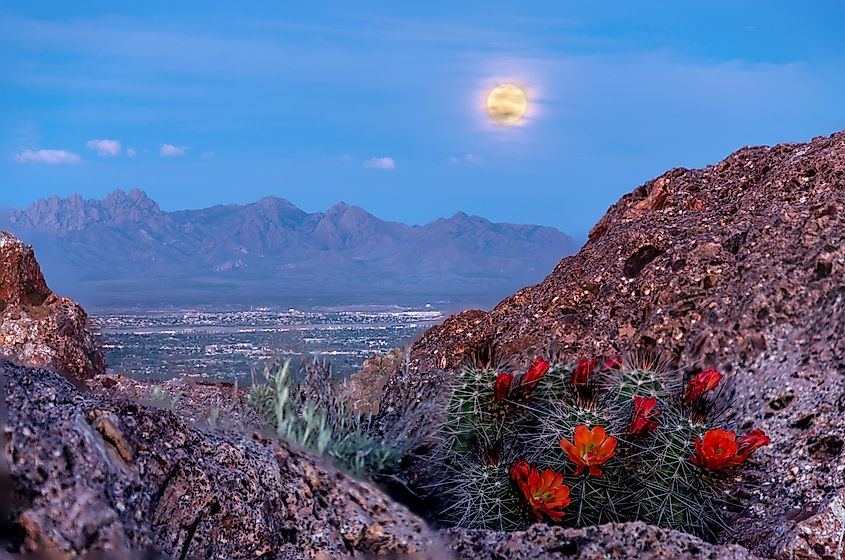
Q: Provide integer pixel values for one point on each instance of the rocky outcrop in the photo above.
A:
(371, 380)
(93, 473)
(620, 540)
(738, 266)
(204, 404)
(37, 327)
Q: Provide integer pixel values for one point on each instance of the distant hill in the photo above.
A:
(124, 250)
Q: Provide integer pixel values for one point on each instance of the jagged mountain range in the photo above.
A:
(125, 249)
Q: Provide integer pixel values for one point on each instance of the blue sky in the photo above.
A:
(380, 104)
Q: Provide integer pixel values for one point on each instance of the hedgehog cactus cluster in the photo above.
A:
(587, 443)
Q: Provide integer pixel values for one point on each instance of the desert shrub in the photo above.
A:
(313, 415)
(587, 443)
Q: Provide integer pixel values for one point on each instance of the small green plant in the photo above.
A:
(213, 417)
(631, 445)
(312, 415)
(161, 397)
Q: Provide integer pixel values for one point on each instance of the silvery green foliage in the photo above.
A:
(161, 397)
(312, 415)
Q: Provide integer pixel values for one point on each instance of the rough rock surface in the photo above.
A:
(202, 404)
(621, 540)
(371, 379)
(738, 266)
(94, 473)
(37, 327)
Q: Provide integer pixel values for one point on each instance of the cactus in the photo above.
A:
(555, 415)
(623, 435)
(475, 451)
(481, 496)
(668, 489)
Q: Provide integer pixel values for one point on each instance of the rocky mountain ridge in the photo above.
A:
(271, 248)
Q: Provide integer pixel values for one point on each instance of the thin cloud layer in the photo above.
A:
(380, 163)
(169, 150)
(50, 157)
(109, 148)
(471, 159)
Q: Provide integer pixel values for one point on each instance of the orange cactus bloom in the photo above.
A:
(502, 387)
(644, 416)
(534, 374)
(720, 451)
(546, 494)
(592, 448)
(701, 384)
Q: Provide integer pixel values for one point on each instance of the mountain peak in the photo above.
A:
(276, 201)
(338, 207)
(132, 205)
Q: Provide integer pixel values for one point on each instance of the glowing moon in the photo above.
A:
(506, 104)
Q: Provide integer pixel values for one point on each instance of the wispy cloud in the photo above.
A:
(209, 154)
(110, 148)
(131, 152)
(50, 157)
(472, 159)
(380, 163)
(169, 150)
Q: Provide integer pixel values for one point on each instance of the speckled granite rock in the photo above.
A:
(738, 266)
(37, 327)
(94, 473)
(203, 404)
(624, 540)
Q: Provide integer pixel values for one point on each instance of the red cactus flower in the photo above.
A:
(534, 374)
(583, 371)
(546, 494)
(644, 416)
(720, 451)
(502, 387)
(751, 441)
(700, 385)
(612, 362)
(519, 471)
(592, 448)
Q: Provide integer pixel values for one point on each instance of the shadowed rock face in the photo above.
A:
(94, 473)
(37, 327)
(738, 266)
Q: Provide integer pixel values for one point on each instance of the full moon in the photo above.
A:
(506, 104)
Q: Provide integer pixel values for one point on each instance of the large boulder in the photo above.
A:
(738, 266)
(90, 472)
(37, 327)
